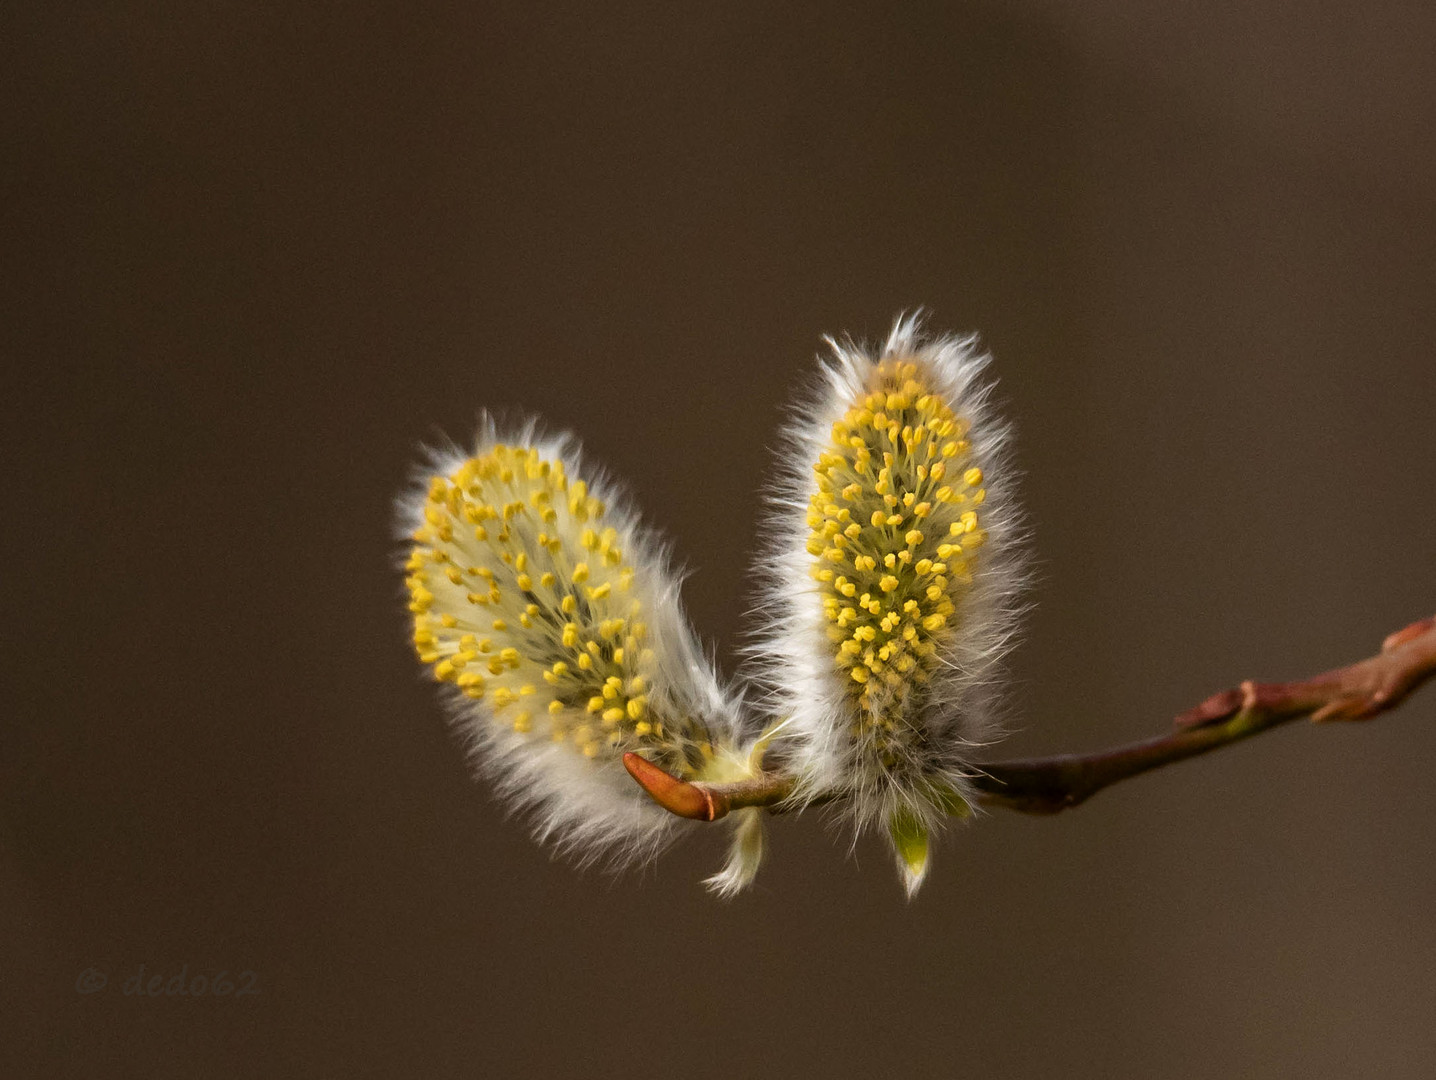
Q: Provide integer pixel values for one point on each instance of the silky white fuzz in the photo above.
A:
(745, 854)
(890, 588)
(553, 619)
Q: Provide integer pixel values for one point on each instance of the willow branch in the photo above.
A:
(1046, 785)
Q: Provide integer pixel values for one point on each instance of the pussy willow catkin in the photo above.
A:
(553, 617)
(891, 584)
(890, 595)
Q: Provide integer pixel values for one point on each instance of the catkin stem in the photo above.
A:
(1358, 691)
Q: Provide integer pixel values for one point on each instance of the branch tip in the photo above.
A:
(694, 801)
(1408, 634)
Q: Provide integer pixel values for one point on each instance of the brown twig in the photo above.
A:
(1047, 785)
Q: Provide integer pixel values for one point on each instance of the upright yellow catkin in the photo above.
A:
(891, 585)
(895, 529)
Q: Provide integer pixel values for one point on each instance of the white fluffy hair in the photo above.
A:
(589, 808)
(791, 652)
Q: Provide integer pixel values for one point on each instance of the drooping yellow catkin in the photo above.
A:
(524, 598)
(895, 527)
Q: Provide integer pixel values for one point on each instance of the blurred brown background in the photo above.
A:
(256, 255)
